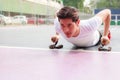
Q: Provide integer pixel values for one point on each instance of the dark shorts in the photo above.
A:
(99, 42)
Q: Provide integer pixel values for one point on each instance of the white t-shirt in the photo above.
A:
(89, 34)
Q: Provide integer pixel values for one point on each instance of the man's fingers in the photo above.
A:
(54, 39)
(105, 40)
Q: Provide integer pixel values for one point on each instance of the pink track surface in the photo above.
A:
(38, 64)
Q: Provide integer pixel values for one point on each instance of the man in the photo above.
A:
(82, 33)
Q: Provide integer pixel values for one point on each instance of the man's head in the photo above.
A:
(68, 12)
(69, 21)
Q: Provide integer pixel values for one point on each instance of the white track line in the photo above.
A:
(47, 49)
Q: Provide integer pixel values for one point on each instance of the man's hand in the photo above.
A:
(55, 38)
(105, 40)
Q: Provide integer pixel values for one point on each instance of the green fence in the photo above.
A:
(118, 22)
(115, 22)
(115, 19)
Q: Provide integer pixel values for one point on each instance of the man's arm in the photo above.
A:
(105, 15)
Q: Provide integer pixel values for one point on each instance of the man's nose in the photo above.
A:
(66, 29)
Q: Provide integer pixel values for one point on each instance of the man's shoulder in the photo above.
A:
(56, 22)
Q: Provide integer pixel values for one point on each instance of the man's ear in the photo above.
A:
(78, 22)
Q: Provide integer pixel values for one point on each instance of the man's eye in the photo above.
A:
(62, 25)
(69, 25)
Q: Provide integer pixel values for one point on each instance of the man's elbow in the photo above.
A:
(108, 11)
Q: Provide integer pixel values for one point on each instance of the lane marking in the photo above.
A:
(66, 50)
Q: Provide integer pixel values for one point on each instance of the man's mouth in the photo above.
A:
(68, 35)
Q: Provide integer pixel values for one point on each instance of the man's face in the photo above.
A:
(69, 27)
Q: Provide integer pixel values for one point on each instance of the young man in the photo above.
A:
(82, 33)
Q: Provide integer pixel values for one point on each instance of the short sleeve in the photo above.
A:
(94, 23)
(57, 25)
